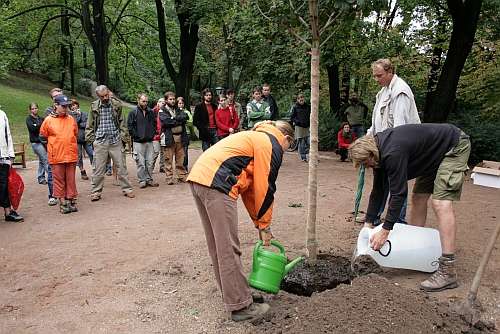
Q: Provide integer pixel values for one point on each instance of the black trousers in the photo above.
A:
(4, 186)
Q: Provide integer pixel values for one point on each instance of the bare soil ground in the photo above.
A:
(141, 266)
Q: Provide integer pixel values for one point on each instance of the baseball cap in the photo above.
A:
(62, 100)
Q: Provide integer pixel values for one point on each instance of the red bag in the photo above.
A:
(16, 188)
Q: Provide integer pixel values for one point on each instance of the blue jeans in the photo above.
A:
(90, 152)
(358, 130)
(43, 165)
(303, 147)
(212, 132)
(402, 214)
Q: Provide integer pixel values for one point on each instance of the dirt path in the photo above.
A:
(140, 265)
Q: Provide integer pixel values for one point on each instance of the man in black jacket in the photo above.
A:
(142, 128)
(173, 126)
(204, 120)
(267, 97)
(300, 117)
(436, 155)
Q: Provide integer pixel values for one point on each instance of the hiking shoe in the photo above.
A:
(72, 206)
(13, 217)
(52, 201)
(95, 197)
(129, 194)
(152, 184)
(64, 208)
(252, 312)
(83, 174)
(142, 185)
(444, 278)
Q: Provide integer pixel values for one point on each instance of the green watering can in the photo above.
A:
(269, 268)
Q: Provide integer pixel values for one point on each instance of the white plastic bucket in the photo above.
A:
(408, 247)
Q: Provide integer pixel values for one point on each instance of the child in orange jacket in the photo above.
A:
(59, 131)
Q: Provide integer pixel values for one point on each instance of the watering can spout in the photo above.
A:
(293, 263)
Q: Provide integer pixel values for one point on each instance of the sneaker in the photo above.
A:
(109, 172)
(444, 278)
(170, 181)
(252, 312)
(95, 197)
(84, 175)
(152, 184)
(142, 185)
(52, 201)
(42, 182)
(129, 194)
(162, 170)
(13, 217)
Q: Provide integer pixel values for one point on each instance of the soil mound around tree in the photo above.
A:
(371, 304)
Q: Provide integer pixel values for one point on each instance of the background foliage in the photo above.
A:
(240, 48)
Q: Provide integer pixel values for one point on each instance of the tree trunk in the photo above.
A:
(72, 68)
(311, 242)
(94, 25)
(346, 85)
(227, 51)
(334, 88)
(465, 15)
(437, 55)
(188, 41)
(188, 44)
(64, 45)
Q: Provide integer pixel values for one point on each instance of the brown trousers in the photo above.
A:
(64, 180)
(176, 151)
(219, 217)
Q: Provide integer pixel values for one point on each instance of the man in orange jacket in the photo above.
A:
(245, 163)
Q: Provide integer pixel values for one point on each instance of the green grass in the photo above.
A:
(19, 90)
(15, 101)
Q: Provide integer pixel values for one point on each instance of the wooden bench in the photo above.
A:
(19, 151)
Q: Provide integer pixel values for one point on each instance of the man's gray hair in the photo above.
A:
(385, 64)
(101, 89)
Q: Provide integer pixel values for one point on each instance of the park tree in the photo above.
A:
(441, 101)
(312, 26)
(97, 26)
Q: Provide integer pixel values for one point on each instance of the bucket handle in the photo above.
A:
(389, 252)
(274, 243)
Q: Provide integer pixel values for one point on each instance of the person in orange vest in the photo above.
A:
(246, 164)
(59, 131)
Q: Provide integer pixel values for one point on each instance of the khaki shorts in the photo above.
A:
(446, 183)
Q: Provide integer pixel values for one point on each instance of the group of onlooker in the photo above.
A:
(215, 121)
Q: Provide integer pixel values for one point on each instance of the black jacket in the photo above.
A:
(406, 152)
(141, 127)
(301, 115)
(168, 123)
(272, 105)
(34, 124)
(81, 122)
(200, 120)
